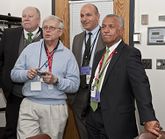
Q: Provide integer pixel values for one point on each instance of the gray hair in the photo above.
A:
(119, 18)
(56, 19)
(38, 12)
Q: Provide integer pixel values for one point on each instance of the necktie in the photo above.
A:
(86, 57)
(94, 104)
(30, 34)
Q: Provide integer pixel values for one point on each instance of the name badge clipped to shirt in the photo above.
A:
(85, 70)
(88, 77)
(35, 86)
(95, 95)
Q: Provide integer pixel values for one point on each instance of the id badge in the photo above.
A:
(93, 91)
(95, 95)
(85, 70)
(35, 86)
(88, 77)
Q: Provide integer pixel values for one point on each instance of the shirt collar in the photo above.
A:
(94, 31)
(34, 33)
(113, 47)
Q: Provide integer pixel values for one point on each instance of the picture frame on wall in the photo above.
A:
(156, 36)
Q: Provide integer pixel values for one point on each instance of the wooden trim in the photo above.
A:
(62, 10)
(122, 8)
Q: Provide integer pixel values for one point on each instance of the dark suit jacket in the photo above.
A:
(124, 81)
(82, 96)
(9, 47)
(80, 100)
(78, 44)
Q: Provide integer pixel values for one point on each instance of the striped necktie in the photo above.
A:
(29, 34)
(86, 57)
(93, 103)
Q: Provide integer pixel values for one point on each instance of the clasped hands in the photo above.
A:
(153, 127)
(47, 76)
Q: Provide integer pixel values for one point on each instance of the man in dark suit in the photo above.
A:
(89, 16)
(14, 40)
(116, 81)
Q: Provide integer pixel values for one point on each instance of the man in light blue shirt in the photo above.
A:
(49, 70)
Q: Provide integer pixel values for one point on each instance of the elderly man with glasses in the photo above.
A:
(48, 70)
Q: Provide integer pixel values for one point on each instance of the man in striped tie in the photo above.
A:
(117, 80)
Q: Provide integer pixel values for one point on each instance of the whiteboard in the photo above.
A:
(104, 6)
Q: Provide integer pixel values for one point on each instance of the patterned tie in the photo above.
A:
(30, 34)
(86, 57)
(94, 104)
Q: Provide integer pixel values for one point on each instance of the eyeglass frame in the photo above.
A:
(51, 28)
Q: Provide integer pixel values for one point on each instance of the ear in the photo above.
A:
(121, 31)
(61, 32)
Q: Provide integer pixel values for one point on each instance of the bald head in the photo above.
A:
(89, 16)
(92, 7)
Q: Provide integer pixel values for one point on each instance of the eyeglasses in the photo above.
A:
(51, 28)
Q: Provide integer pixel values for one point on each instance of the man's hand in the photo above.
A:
(153, 127)
(31, 73)
(49, 78)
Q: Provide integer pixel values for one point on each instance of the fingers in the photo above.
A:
(31, 73)
(48, 78)
(153, 127)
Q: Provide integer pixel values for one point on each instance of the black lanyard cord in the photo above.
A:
(52, 53)
(92, 46)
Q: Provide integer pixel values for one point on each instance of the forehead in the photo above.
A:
(110, 20)
(31, 11)
(88, 9)
(51, 22)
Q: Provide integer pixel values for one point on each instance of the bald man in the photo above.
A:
(89, 17)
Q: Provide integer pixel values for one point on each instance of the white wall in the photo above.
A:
(15, 7)
(157, 77)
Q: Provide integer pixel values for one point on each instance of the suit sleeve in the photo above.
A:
(140, 86)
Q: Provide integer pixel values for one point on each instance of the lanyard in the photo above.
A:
(92, 46)
(50, 56)
(102, 67)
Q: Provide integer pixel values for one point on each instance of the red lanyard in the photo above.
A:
(50, 59)
(101, 66)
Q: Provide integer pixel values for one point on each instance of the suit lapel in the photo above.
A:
(96, 61)
(79, 48)
(15, 44)
(113, 61)
(100, 44)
